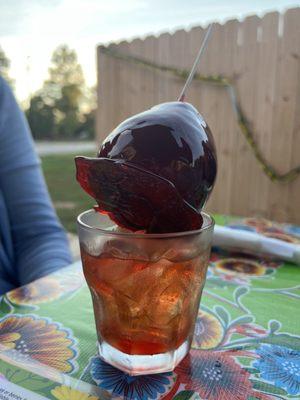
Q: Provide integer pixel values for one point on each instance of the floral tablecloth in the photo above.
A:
(246, 343)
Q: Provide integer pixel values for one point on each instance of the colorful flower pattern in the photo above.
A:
(215, 375)
(142, 387)
(42, 291)
(285, 232)
(67, 393)
(281, 236)
(208, 331)
(38, 339)
(240, 269)
(280, 366)
(258, 224)
(47, 289)
(245, 266)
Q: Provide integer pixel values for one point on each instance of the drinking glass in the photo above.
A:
(146, 290)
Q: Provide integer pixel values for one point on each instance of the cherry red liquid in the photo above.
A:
(144, 307)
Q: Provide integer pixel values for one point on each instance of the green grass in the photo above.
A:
(68, 197)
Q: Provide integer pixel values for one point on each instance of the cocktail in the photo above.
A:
(145, 246)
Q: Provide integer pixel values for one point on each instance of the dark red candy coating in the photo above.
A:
(172, 141)
(155, 171)
(134, 198)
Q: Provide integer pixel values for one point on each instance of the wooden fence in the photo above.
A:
(261, 56)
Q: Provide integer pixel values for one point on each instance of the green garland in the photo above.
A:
(242, 121)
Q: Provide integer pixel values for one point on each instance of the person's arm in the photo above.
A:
(40, 244)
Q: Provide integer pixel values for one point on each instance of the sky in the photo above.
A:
(31, 29)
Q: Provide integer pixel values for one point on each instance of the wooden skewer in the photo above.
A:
(193, 70)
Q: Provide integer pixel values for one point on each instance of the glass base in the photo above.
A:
(143, 364)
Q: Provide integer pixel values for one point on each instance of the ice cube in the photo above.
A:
(186, 248)
(128, 308)
(125, 248)
(141, 280)
(166, 304)
(112, 270)
(93, 245)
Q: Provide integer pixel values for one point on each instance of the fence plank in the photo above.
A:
(285, 111)
(294, 187)
(265, 99)
(149, 54)
(163, 58)
(229, 130)
(214, 59)
(246, 167)
(128, 85)
(106, 110)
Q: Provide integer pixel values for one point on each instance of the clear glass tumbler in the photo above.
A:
(146, 290)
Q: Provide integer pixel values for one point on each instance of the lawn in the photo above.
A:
(68, 197)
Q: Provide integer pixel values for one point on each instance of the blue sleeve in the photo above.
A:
(39, 242)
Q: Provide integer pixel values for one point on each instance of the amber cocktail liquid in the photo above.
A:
(146, 290)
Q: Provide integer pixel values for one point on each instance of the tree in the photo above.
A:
(89, 103)
(87, 127)
(64, 89)
(41, 118)
(4, 67)
(89, 100)
(65, 71)
(64, 106)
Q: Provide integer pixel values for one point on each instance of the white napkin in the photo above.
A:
(252, 242)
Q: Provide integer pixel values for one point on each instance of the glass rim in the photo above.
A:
(168, 235)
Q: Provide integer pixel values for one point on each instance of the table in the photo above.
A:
(246, 343)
